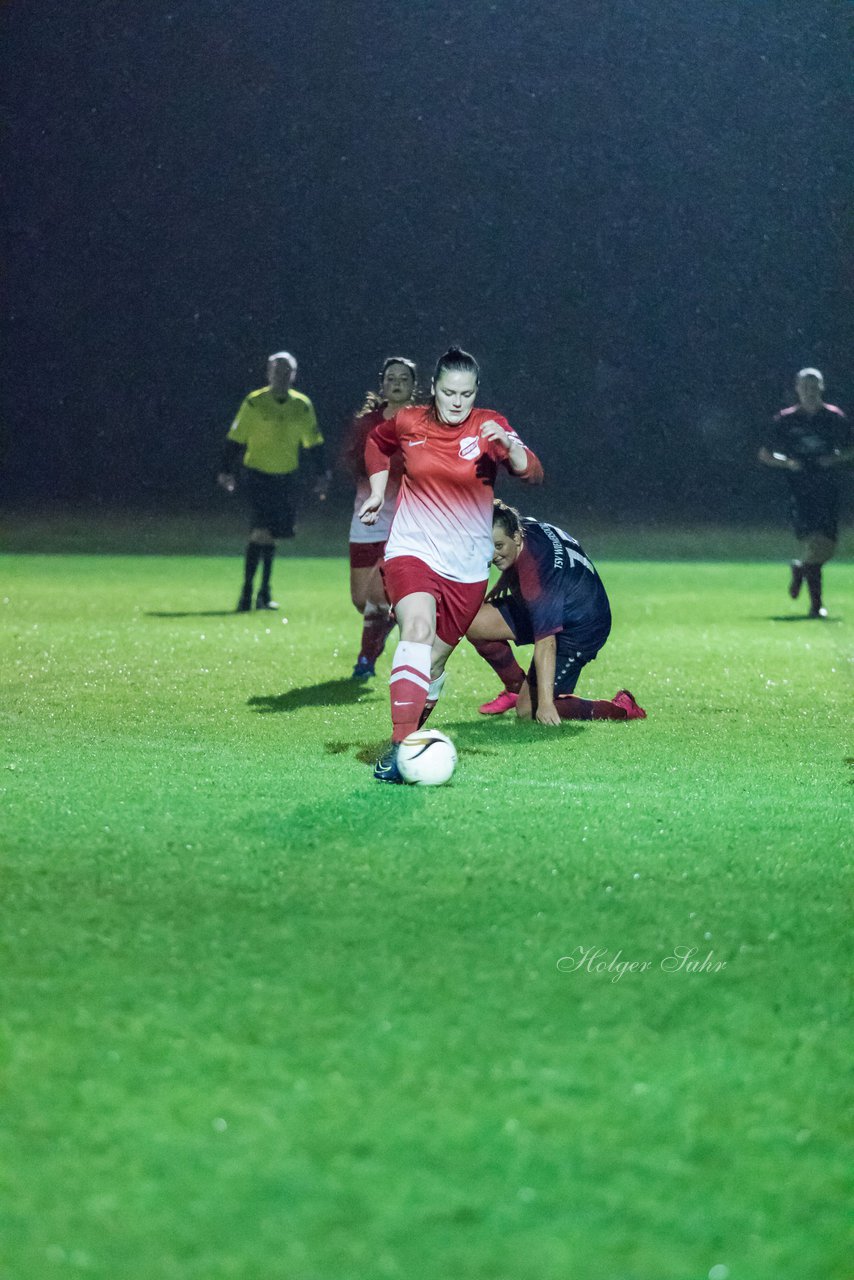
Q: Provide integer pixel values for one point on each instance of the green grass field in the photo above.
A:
(264, 1018)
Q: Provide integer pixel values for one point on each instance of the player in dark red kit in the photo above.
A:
(398, 377)
(549, 595)
(436, 564)
(810, 441)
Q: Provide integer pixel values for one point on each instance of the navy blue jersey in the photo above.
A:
(558, 586)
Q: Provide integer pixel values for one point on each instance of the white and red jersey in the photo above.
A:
(444, 511)
(354, 458)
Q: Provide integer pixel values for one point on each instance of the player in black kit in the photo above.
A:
(549, 595)
(810, 441)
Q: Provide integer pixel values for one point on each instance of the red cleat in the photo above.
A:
(626, 700)
(505, 701)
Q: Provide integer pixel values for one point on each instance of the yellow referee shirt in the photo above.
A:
(274, 430)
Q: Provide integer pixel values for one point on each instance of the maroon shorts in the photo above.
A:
(456, 602)
(364, 555)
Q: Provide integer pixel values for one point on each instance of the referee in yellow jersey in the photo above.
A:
(271, 427)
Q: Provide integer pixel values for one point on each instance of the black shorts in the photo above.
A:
(272, 502)
(810, 516)
(570, 656)
(814, 502)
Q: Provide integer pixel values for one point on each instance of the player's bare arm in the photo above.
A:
(370, 508)
(545, 652)
(839, 458)
(774, 459)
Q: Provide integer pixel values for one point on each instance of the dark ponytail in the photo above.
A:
(457, 360)
(506, 517)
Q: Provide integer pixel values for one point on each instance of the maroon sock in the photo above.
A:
(499, 655)
(375, 631)
(812, 574)
(569, 707)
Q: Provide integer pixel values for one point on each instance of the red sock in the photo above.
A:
(375, 631)
(571, 708)
(499, 655)
(410, 680)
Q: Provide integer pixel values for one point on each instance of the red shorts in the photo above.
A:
(364, 555)
(456, 602)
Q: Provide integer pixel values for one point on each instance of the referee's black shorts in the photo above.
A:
(272, 500)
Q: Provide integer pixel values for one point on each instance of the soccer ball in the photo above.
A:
(427, 757)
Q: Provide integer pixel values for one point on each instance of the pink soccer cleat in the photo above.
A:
(626, 700)
(505, 701)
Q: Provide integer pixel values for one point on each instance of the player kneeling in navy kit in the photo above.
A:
(549, 595)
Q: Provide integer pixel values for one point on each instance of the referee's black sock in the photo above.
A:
(250, 564)
(812, 573)
(268, 550)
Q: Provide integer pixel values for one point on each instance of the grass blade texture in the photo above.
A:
(581, 1013)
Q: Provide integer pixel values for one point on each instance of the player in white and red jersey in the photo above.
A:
(438, 553)
(398, 377)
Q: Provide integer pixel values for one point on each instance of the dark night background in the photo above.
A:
(634, 212)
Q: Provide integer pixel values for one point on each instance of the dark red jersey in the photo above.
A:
(353, 453)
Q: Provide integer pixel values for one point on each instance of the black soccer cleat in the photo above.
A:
(797, 579)
(244, 604)
(385, 769)
(263, 601)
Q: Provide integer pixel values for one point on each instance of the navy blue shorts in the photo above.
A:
(571, 656)
(272, 502)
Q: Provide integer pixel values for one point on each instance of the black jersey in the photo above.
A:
(814, 489)
(810, 436)
(558, 588)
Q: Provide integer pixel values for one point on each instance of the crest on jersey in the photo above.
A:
(470, 448)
